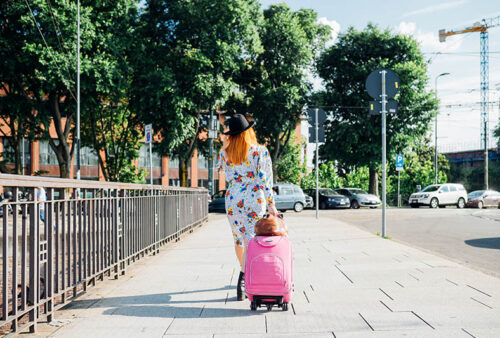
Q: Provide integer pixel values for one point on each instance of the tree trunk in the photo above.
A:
(183, 172)
(17, 155)
(274, 158)
(373, 182)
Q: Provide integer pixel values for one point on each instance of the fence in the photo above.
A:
(53, 250)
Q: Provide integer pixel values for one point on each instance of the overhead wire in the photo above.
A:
(57, 29)
(46, 45)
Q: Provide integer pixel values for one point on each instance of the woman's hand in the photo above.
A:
(272, 210)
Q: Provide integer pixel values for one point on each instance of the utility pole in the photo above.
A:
(316, 127)
(211, 155)
(78, 95)
(384, 115)
(435, 131)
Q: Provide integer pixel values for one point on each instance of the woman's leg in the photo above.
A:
(240, 253)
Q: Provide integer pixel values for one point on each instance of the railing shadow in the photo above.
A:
(162, 305)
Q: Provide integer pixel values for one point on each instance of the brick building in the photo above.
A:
(41, 160)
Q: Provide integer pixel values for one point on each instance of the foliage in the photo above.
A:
(109, 125)
(275, 83)
(496, 133)
(192, 50)
(290, 167)
(327, 177)
(418, 170)
(473, 178)
(344, 68)
(41, 78)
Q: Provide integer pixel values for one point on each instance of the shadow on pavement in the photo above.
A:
(162, 305)
(488, 243)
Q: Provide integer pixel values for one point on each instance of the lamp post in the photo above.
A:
(435, 132)
(78, 95)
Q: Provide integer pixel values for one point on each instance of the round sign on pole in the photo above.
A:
(374, 84)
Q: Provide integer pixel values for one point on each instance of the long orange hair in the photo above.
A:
(237, 149)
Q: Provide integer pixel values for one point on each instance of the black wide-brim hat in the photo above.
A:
(238, 124)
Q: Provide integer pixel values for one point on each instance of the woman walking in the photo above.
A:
(249, 175)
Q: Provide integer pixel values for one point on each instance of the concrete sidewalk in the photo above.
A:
(348, 283)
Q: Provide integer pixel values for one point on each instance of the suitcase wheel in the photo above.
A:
(269, 307)
(284, 306)
(253, 306)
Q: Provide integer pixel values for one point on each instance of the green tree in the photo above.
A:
(418, 170)
(328, 177)
(290, 167)
(496, 133)
(16, 110)
(192, 51)
(109, 125)
(276, 82)
(353, 136)
(35, 77)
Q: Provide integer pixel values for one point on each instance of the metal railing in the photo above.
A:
(53, 250)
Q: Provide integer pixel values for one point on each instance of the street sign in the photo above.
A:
(376, 107)
(400, 162)
(374, 84)
(311, 116)
(312, 134)
(148, 133)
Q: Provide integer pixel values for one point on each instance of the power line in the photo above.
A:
(46, 45)
(57, 29)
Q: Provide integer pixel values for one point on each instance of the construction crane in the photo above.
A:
(481, 27)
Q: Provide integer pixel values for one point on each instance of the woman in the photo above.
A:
(249, 175)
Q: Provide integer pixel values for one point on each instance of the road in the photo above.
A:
(466, 236)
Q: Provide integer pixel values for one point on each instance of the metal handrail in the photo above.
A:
(46, 263)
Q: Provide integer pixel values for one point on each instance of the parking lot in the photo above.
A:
(467, 236)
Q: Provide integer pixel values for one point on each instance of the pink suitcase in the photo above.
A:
(269, 272)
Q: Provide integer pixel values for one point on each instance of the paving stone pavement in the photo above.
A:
(348, 283)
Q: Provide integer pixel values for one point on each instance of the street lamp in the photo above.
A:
(435, 132)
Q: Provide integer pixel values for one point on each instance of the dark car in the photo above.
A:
(309, 202)
(483, 199)
(328, 198)
(218, 202)
(360, 198)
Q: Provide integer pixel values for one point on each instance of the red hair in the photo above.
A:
(237, 149)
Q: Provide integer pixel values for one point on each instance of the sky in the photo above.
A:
(458, 126)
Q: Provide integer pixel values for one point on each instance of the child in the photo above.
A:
(271, 225)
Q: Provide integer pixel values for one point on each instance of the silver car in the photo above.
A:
(360, 198)
(288, 196)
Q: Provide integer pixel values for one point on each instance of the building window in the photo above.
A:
(9, 154)
(88, 157)
(47, 155)
(173, 162)
(202, 162)
(144, 157)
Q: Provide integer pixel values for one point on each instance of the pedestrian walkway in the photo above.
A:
(348, 283)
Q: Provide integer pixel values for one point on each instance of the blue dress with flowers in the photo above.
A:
(249, 190)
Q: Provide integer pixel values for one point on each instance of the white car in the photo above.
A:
(440, 195)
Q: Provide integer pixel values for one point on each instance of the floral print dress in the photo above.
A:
(249, 190)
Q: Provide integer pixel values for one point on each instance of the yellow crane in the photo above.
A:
(481, 27)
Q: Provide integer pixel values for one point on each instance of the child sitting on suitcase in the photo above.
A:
(271, 225)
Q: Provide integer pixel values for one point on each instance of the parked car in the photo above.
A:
(288, 196)
(359, 198)
(217, 202)
(309, 202)
(483, 199)
(328, 198)
(440, 195)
